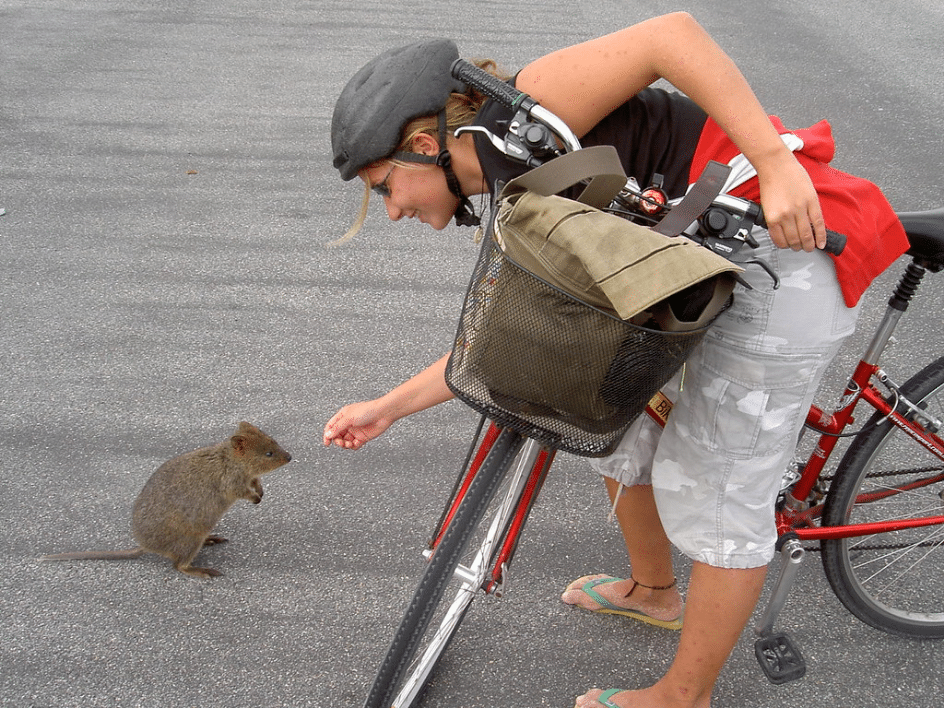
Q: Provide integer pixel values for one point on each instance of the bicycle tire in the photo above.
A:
(395, 669)
(892, 581)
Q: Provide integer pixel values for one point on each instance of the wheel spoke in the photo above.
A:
(894, 559)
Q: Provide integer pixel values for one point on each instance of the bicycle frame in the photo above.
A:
(796, 516)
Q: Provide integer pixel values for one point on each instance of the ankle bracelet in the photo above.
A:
(637, 584)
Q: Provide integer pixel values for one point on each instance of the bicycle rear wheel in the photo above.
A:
(893, 581)
(430, 621)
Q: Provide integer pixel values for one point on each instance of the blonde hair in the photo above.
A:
(460, 110)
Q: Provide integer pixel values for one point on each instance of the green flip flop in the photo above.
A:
(607, 607)
(604, 698)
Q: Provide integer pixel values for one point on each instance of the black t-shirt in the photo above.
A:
(655, 131)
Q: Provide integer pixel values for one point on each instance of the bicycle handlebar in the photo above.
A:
(516, 100)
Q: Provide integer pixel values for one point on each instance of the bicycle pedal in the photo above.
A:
(779, 658)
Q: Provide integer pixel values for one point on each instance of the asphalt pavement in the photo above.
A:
(167, 195)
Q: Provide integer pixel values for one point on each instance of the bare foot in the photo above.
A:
(664, 606)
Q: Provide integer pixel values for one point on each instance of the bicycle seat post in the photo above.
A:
(897, 305)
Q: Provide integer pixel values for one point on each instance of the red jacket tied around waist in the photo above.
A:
(852, 206)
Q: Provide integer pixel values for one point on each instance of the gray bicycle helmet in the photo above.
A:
(389, 91)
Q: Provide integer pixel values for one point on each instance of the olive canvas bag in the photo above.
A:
(601, 258)
(569, 326)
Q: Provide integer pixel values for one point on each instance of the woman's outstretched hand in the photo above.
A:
(359, 423)
(356, 424)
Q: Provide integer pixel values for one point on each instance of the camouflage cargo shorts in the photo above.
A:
(716, 468)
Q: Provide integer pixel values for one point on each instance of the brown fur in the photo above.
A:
(186, 496)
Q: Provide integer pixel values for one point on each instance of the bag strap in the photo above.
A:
(699, 198)
(599, 164)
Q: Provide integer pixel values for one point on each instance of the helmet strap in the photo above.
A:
(465, 214)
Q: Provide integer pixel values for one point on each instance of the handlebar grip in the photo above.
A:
(835, 241)
(491, 86)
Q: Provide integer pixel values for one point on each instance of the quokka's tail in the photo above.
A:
(97, 555)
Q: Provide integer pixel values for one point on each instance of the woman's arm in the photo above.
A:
(358, 423)
(584, 83)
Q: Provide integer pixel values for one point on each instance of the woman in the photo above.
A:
(708, 482)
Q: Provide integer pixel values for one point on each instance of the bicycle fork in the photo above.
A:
(778, 656)
(488, 569)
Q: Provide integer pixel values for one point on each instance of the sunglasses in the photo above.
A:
(382, 188)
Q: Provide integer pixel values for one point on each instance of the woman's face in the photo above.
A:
(415, 191)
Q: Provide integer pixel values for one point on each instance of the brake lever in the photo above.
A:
(504, 146)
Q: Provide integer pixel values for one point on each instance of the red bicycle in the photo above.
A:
(879, 520)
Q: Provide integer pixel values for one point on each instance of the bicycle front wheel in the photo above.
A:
(430, 622)
(893, 581)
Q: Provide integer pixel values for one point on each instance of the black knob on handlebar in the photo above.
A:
(533, 135)
(715, 221)
(525, 107)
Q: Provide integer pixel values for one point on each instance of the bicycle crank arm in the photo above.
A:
(778, 656)
(791, 555)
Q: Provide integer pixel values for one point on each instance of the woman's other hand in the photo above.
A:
(791, 205)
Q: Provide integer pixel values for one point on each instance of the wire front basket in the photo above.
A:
(535, 359)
